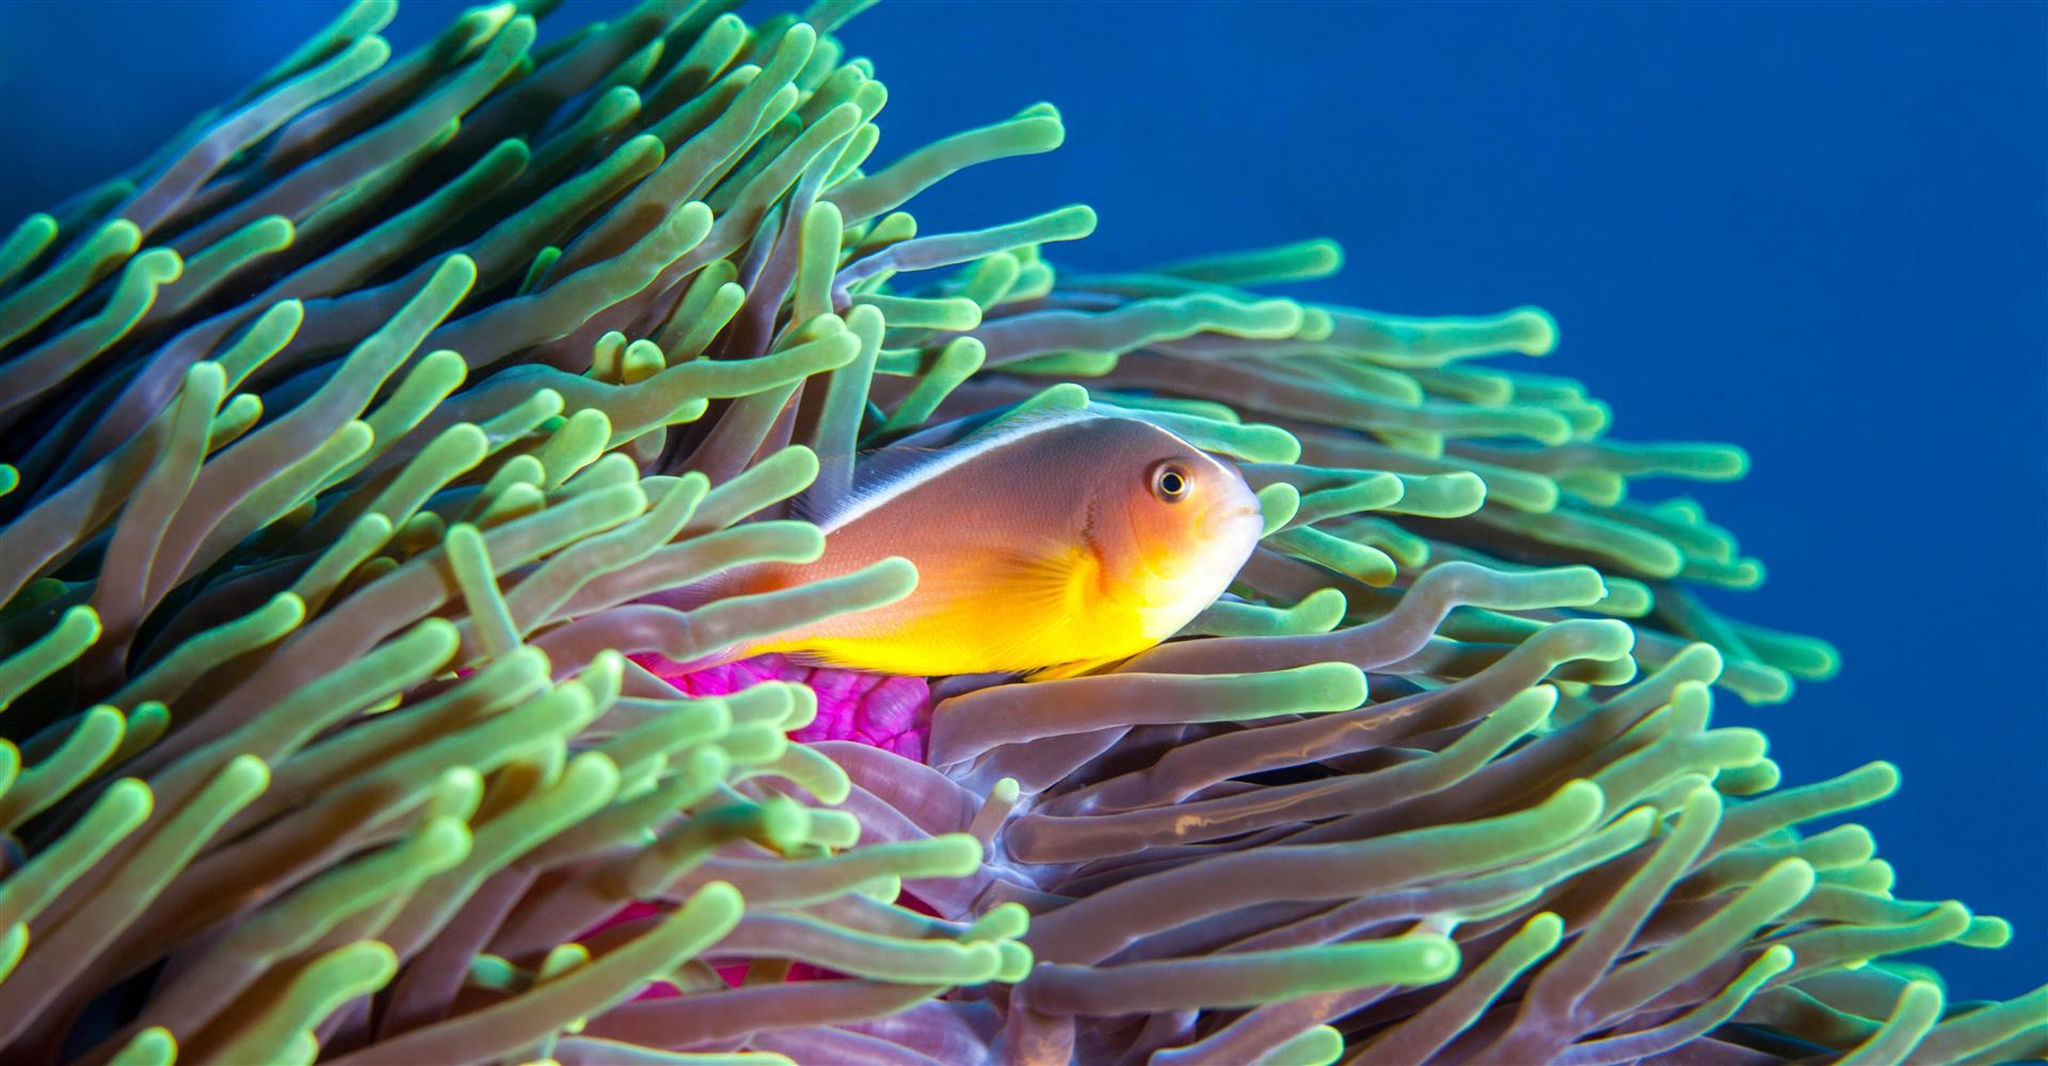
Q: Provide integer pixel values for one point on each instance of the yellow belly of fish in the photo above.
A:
(995, 642)
(1023, 618)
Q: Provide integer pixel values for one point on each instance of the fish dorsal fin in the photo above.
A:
(886, 473)
(870, 470)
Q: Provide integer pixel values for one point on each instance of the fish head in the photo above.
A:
(1184, 523)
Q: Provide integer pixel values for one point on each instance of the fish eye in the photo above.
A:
(1170, 482)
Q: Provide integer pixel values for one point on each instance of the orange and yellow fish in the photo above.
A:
(1052, 544)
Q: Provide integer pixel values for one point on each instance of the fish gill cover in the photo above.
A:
(347, 434)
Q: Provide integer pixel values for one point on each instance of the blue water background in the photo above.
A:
(1820, 231)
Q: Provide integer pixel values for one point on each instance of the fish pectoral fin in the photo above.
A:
(1051, 581)
(1049, 610)
(1005, 611)
(1028, 608)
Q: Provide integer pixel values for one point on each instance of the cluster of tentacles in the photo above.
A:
(348, 435)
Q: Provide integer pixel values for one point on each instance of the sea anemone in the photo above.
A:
(349, 434)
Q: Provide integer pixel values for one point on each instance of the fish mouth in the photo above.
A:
(1221, 521)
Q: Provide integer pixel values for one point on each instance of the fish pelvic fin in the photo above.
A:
(1077, 668)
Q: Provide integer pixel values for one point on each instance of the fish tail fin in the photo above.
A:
(751, 580)
(720, 585)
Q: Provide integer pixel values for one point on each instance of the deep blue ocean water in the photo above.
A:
(1817, 230)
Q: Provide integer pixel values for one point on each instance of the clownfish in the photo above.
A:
(1049, 544)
